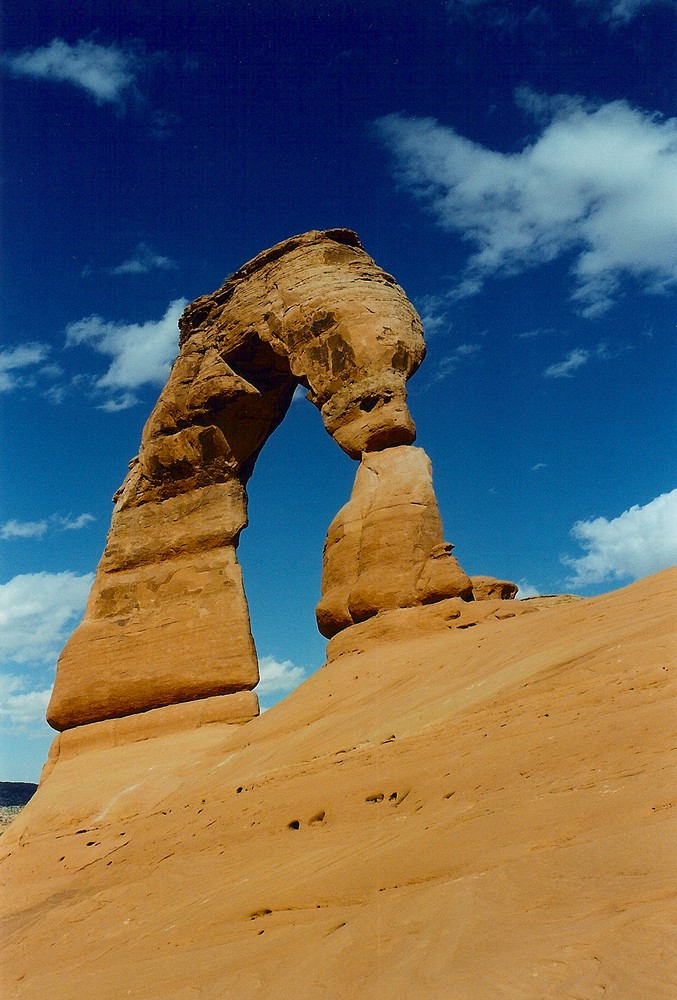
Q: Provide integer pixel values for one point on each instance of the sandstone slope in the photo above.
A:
(446, 810)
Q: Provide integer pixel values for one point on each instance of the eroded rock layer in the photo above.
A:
(487, 588)
(385, 549)
(167, 619)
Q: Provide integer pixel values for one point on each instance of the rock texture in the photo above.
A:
(167, 620)
(488, 588)
(478, 813)
(385, 549)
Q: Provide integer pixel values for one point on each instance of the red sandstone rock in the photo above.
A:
(488, 587)
(442, 812)
(385, 548)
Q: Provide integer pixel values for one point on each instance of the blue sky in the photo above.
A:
(514, 165)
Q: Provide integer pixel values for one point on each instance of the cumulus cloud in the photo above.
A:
(598, 182)
(141, 353)
(278, 676)
(142, 261)
(70, 523)
(105, 72)
(23, 529)
(640, 541)
(38, 611)
(20, 707)
(38, 529)
(526, 590)
(16, 363)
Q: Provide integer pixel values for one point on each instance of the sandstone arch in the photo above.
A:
(167, 619)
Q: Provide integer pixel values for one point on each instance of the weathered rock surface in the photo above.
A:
(385, 548)
(454, 613)
(157, 634)
(167, 620)
(471, 813)
(170, 720)
(489, 588)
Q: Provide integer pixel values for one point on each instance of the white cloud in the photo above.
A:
(449, 364)
(51, 371)
(105, 72)
(142, 353)
(38, 529)
(278, 676)
(15, 360)
(56, 394)
(142, 261)
(622, 11)
(576, 359)
(69, 523)
(526, 590)
(433, 312)
(38, 611)
(123, 402)
(565, 369)
(599, 182)
(640, 541)
(23, 529)
(542, 331)
(20, 707)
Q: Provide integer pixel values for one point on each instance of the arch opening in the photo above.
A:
(301, 479)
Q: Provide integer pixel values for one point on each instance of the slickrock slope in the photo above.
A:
(446, 811)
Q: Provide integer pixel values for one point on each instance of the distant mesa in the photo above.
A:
(167, 622)
(16, 793)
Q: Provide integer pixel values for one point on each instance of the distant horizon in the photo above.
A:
(513, 166)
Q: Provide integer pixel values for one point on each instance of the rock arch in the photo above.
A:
(167, 620)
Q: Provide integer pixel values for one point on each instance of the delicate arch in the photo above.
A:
(167, 619)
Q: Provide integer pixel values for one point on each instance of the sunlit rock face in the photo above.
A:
(167, 619)
(487, 588)
(385, 549)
